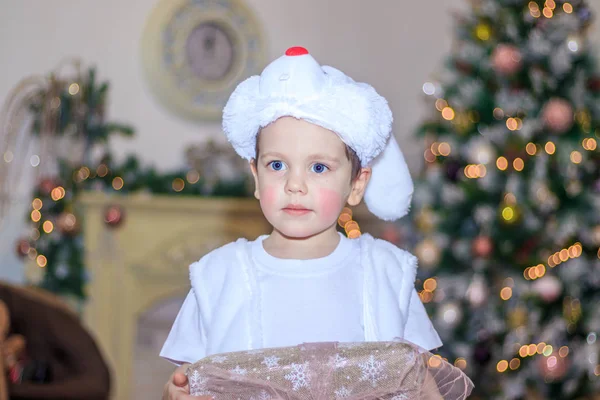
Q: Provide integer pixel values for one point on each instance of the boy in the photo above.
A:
(316, 141)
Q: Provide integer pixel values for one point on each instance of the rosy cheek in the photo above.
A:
(268, 197)
(329, 203)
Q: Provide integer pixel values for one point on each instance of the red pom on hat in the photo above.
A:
(296, 51)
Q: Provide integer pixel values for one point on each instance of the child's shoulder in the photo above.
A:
(383, 254)
(220, 260)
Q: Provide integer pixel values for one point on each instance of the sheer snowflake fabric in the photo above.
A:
(330, 371)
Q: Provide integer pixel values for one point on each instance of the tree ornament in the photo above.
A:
(506, 59)
(23, 247)
(477, 292)
(523, 253)
(553, 367)
(517, 317)
(482, 246)
(594, 84)
(428, 253)
(114, 216)
(425, 220)
(462, 123)
(481, 152)
(463, 67)
(548, 288)
(46, 185)
(449, 315)
(68, 224)
(483, 31)
(575, 43)
(509, 213)
(557, 115)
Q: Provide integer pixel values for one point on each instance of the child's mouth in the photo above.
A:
(293, 209)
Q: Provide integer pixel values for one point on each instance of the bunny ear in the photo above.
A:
(390, 188)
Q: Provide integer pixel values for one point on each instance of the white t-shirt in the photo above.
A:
(242, 298)
(316, 300)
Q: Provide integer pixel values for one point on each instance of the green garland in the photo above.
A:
(56, 242)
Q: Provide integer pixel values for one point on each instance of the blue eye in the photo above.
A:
(319, 168)
(277, 165)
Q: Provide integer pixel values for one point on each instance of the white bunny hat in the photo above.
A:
(295, 85)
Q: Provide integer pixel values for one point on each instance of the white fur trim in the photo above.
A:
(297, 86)
(390, 189)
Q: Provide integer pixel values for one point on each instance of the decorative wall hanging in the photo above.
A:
(195, 52)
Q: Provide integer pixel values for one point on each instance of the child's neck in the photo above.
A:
(305, 248)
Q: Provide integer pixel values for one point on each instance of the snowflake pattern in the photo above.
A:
(264, 395)
(218, 359)
(298, 376)
(400, 396)
(411, 358)
(271, 361)
(372, 370)
(342, 393)
(338, 361)
(197, 384)
(239, 371)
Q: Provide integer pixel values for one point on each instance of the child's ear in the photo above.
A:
(255, 175)
(359, 185)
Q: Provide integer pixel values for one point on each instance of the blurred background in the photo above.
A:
(114, 173)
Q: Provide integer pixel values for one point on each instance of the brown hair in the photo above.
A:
(350, 155)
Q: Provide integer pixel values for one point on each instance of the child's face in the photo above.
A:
(303, 177)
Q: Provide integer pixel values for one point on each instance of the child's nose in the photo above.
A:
(296, 183)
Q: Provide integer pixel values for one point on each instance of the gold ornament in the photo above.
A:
(462, 123)
(584, 120)
(483, 31)
(428, 253)
(517, 317)
(425, 220)
(509, 213)
(571, 310)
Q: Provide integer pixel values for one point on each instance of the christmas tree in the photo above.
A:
(509, 201)
(67, 116)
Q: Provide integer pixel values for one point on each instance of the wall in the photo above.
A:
(394, 45)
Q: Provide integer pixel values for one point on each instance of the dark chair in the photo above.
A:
(62, 360)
